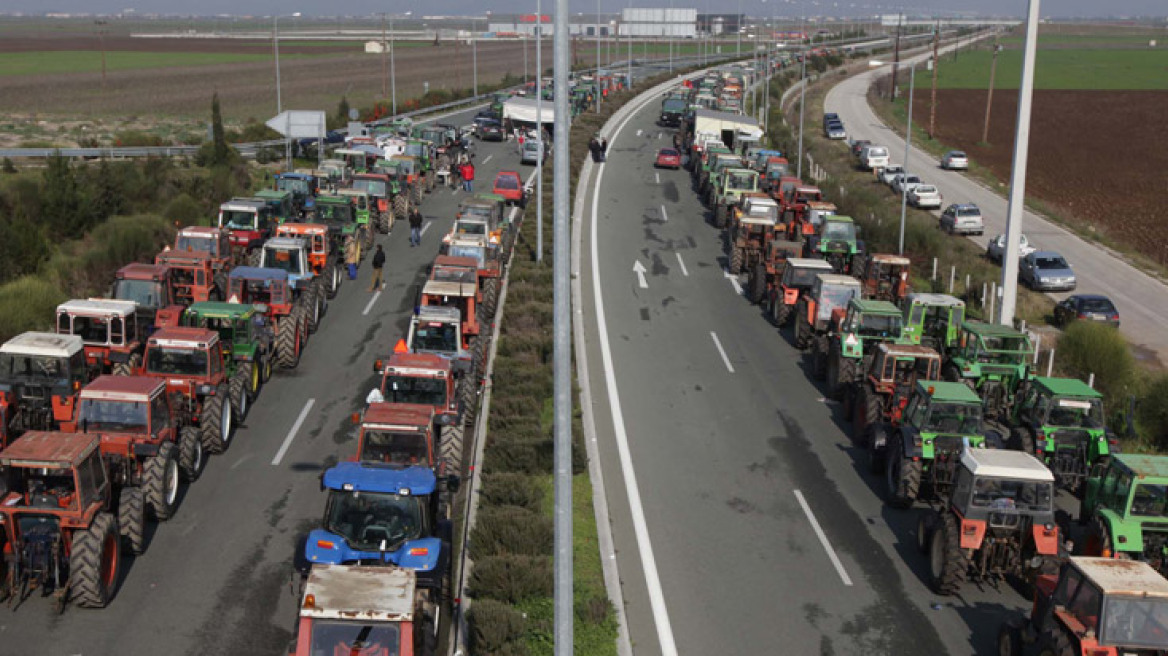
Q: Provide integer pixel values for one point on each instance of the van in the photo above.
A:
(873, 157)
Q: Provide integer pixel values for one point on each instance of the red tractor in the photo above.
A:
(883, 392)
(270, 290)
(144, 450)
(112, 330)
(884, 277)
(40, 375)
(250, 221)
(59, 534)
(153, 288)
(195, 278)
(215, 243)
(454, 282)
(426, 379)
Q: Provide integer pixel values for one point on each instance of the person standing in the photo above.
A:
(594, 148)
(468, 174)
(415, 227)
(378, 264)
(604, 149)
(352, 256)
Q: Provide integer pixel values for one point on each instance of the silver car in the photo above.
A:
(955, 160)
(1046, 271)
(996, 248)
(889, 173)
(963, 219)
(905, 182)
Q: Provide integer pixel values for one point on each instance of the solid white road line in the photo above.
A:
(664, 214)
(292, 433)
(733, 281)
(371, 303)
(487, 158)
(839, 567)
(425, 227)
(632, 492)
(657, 176)
(681, 263)
(722, 351)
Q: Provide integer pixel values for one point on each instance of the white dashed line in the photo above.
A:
(722, 351)
(638, 133)
(657, 176)
(292, 433)
(487, 158)
(371, 303)
(839, 567)
(733, 281)
(425, 228)
(681, 263)
(664, 214)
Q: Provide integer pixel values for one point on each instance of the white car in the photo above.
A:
(925, 196)
(889, 173)
(873, 157)
(996, 248)
(905, 182)
(955, 160)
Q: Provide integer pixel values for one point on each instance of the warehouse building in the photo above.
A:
(676, 23)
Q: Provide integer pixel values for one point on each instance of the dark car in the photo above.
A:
(858, 145)
(491, 131)
(668, 158)
(1088, 307)
(830, 117)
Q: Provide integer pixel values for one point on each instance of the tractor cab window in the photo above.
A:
(438, 337)
(371, 521)
(159, 414)
(477, 253)
(405, 449)
(800, 277)
(879, 325)
(1135, 622)
(834, 296)
(92, 480)
(35, 369)
(1150, 500)
(1010, 494)
(91, 330)
(334, 212)
(98, 416)
(1002, 350)
(283, 259)
(239, 220)
(470, 228)
(953, 418)
(741, 181)
(915, 412)
(146, 293)
(408, 389)
(196, 244)
(352, 637)
(1085, 601)
(51, 489)
(178, 362)
(318, 244)
(293, 185)
(839, 231)
(1075, 413)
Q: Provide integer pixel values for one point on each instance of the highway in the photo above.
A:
(1142, 299)
(742, 515)
(215, 579)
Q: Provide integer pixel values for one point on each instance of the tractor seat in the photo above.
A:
(45, 500)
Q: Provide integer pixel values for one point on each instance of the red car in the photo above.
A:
(509, 185)
(668, 158)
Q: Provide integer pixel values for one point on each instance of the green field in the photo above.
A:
(1045, 40)
(1056, 69)
(89, 61)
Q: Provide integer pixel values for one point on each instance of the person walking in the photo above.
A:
(468, 174)
(378, 264)
(604, 149)
(594, 148)
(415, 227)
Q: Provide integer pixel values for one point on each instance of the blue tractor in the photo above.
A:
(303, 187)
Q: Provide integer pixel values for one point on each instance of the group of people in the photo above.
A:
(353, 253)
(598, 146)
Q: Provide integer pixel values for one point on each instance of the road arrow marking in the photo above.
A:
(639, 269)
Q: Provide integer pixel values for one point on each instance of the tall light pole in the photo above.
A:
(985, 131)
(912, 78)
(738, 24)
(539, 119)
(384, 59)
(629, 38)
(392, 66)
(276, 49)
(596, 75)
(802, 103)
(671, 30)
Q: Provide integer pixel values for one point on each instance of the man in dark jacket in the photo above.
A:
(378, 265)
(415, 227)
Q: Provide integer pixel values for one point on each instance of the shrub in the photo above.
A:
(1090, 348)
(511, 578)
(507, 489)
(511, 530)
(184, 210)
(137, 138)
(1152, 412)
(28, 303)
(492, 625)
(9, 167)
(594, 610)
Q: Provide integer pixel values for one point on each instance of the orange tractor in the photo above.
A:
(884, 277)
(195, 276)
(40, 376)
(324, 258)
(154, 288)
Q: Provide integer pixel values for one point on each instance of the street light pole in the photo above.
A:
(539, 122)
(474, 47)
(912, 77)
(276, 48)
(596, 75)
(985, 131)
(629, 38)
(802, 103)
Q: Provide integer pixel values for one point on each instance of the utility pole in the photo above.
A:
(474, 45)
(802, 93)
(384, 59)
(985, 131)
(896, 57)
(912, 75)
(539, 122)
(101, 38)
(596, 75)
(936, 65)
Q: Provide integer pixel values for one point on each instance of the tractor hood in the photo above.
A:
(423, 554)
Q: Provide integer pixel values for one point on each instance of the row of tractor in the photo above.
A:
(951, 413)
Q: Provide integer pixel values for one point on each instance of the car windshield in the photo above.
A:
(372, 187)
(371, 521)
(334, 212)
(405, 449)
(1054, 262)
(34, 368)
(437, 337)
(412, 389)
(143, 292)
(1135, 622)
(1075, 413)
(1096, 305)
(282, 258)
(238, 219)
(880, 325)
(176, 361)
(295, 185)
(839, 231)
(953, 418)
(1010, 494)
(96, 416)
(197, 244)
(331, 637)
(668, 152)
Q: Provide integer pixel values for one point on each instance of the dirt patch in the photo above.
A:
(1097, 156)
(70, 42)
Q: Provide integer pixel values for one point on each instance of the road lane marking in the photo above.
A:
(660, 134)
(638, 133)
(425, 228)
(733, 281)
(839, 567)
(664, 214)
(487, 158)
(241, 461)
(684, 271)
(632, 491)
(371, 303)
(639, 269)
(292, 433)
(454, 192)
(657, 176)
(722, 351)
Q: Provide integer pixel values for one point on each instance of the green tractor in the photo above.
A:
(247, 337)
(282, 204)
(1061, 421)
(992, 360)
(703, 165)
(933, 320)
(339, 215)
(399, 187)
(837, 241)
(854, 335)
(727, 189)
(365, 212)
(1126, 508)
(921, 452)
(423, 151)
(718, 161)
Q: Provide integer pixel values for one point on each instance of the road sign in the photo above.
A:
(299, 124)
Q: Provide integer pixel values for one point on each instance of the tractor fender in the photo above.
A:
(1125, 536)
(423, 555)
(913, 445)
(1046, 540)
(973, 532)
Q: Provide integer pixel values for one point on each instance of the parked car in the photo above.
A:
(996, 248)
(925, 196)
(873, 157)
(962, 218)
(531, 152)
(1088, 307)
(492, 131)
(889, 173)
(905, 182)
(830, 117)
(858, 145)
(836, 131)
(668, 158)
(955, 160)
(1046, 271)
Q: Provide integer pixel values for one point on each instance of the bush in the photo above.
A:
(511, 530)
(137, 138)
(28, 303)
(491, 625)
(184, 210)
(511, 578)
(1090, 348)
(1152, 412)
(505, 489)
(87, 267)
(9, 167)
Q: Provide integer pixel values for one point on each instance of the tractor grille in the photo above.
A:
(837, 246)
(993, 370)
(1069, 461)
(947, 445)
(1005, 521)
(946, 453)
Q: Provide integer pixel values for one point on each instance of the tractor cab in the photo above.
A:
(316, 239)
(1125, 502)
(420, 379)
(453, 283)
(302, 186)
(289, 254)
(215, 243)
(281, 204)
(364, 205)
(194, 276)
(40, 375)
(994, 359)
(152, 288)
(933, 319)
(829, 292)
(836, 240)
(1061, 420)
(438, 330)
(250, 222)
(798, 278)
(132, 415)
(258, 286)
(338, 213)
(112, 331)
(246, 336)
(187, 358)
(883, 389)
(885, 277)
(398, 435)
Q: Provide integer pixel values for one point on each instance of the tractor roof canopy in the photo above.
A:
(360, 593)
(49, 450)
(184, 338)
(935, 300)
(133, 389)
(221, 310)
(1005, 463)
(398, 416)
(257, 273)
(1066, 387)
(940, 390)
(1122, 577)
(49, 345)
(98, 307)
(868, 306)
(1142, 466)
(369, 477)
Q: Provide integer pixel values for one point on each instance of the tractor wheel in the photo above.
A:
(215, 421)
(1022, 439)
(866, 413)
(416, 195)
(385, 222)
(948, 563)
(450, 448)
(301, 314)
(802, 331)
(468, 396)
(478, 348)
(313, 309)
(757, 286)
(819, 357)
(401, 206)
(95, 562)
(926, 525)
(160, 482)
(267, 360)
(844, 372)
(490, 297)
(333, 277)
(951, 373)
(1098, 539)
(240, 398)
(132, 519)
(736, 256)
(902, 475)
(288, 341)
(129, 367)
(190, 453)
(719, 216)
(1010, 640)
(221, 284)
(250, 373)
(782, 313)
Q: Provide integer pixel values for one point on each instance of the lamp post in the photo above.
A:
(629, 38)
(539, 123)
(802, 103)
(596, 75)
(912, 70)
(392, 67)
(276, 49)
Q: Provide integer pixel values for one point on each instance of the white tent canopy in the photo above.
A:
(524, 110)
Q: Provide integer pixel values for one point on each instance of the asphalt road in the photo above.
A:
(215, 579)
(1142, 300)
(743, 516)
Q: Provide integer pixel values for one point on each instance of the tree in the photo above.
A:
(343, 111)
(219, 154)
(108, 198)
(63, 203)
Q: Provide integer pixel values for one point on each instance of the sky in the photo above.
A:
(1062, 8)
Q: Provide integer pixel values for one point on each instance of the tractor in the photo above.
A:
(727, 191)
(750, 232)
(998, 522)
(423, 154)
(192, 363)
(40, 375)
(454, 283)
(804, 210)
(883, 277)
(398, 187)
(270, 291)
(764, 278)
(215, 243)
(144, 449)
(482, 216)
(365, 610)
(409, 170)
(490, 269)
(113, 332)
(292, 254)
(855, 332)
(247, 338)
(365, 213)
(1061, 421)
(437, 331)
(338, 214)
(994, 361)
(1125, 506)
(250, 222)
(920, 450)
(303, 188)
(426, 379)
(703, 162)
(1093, 607)
(933, 320)
(718, 162)
(795, 284)
(152, 287)
(813, 316)
(406, 435)
(281, 204)
(325, 258)
(194, 277)
(60, 535)
(381, 200)
(837, 241)
(881, 395)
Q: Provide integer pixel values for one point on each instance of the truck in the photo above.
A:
(726, 126)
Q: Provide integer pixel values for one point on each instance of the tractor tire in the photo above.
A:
(132, 519)
(313, 308)
(221, 284)
(385, 222)
(266, 365)
(819, 357)
(948, 562)
(736, 257)
(720, 216)
(401, 207)
(289, 341)
(240, 399)
(1010, 640)
(129, 367)
(216, 421)
(1098, 539)
(866, 413)
(190, 453)
(478, 349)
(902, 475)
(416, 195)
(160, 482)
(756, 289)
(333, 276)
(450, 448)
(782, 313)
(249, 372)
(301, 315)
(926, 525)
(468, 395)
(95, 562)
(490, 298)
(802, 333)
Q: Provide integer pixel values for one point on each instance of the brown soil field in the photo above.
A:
(58, 41)
(1097, 156)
